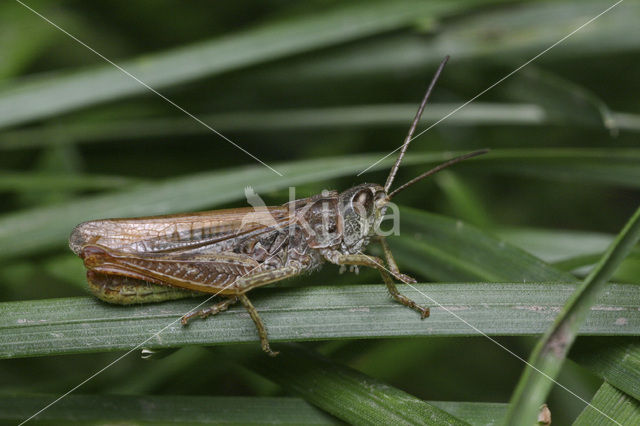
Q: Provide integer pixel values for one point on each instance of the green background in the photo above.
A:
(319, 90)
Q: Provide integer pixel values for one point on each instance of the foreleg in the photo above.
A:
(377, 263)
(393, 290)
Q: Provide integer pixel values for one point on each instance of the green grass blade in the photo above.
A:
(518, 29)
(562, 99)
(269, 120)
(447, 249)
(505, 33)
(163, 409)
(38, 181)
(549, 353)
(197, 410)
(556, 245)
(616, 360)
(51, 96)
(603, 166)
(346, 393)
(17, 50)
(615, 403)
(568, 250)
(464, 203)
(79, 325)
(366, 116)
(474, 413)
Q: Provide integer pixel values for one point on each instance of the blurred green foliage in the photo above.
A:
(321, 89)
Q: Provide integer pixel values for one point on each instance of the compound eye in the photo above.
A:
(380, 197)
(362, 202)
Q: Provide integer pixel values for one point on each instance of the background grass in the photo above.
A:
(319, 90)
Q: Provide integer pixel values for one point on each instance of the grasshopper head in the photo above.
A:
(362, 208)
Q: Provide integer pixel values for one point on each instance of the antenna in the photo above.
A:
(414, 124)
(437, 169)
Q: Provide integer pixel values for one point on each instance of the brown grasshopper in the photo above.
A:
(230, 252)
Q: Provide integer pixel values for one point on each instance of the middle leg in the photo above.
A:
(262, 330)
(211, 310)
(248, 282)
(237, 290)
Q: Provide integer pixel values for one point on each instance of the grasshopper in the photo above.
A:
(230, 252)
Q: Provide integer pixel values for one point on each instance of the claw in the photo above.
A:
(185, 319)
(271, 353)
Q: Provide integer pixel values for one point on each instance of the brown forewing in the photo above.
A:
(178, 232)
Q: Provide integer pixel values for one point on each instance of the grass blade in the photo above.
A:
(197, 410)
(568, 250)
(366, 116)
(157, 409)
(552, 348)
(80, 325)
(565, 101)
(615, 403)
(558, 164)
(556, 245)
(38, 181)
(344, 392)
(506, 33)
(51, 96)
(475, 413)
(615, 359)
(446, 249)
(269, 120)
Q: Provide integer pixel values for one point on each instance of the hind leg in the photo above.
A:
(262, 330)
(211, 310)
